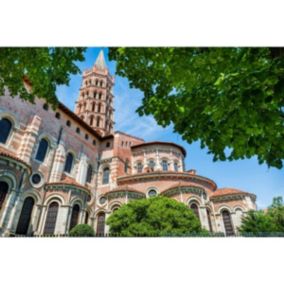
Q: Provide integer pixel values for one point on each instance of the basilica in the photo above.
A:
(60, 168)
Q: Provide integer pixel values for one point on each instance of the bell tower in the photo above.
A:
(95, 102)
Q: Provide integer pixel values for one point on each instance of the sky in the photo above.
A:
(246, 175)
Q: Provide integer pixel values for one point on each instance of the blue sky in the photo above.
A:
(246, 175)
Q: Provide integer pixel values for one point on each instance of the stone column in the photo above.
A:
(7, 211)
(158, 162)
(62, 221)
(203, 217)
(41, 223)
(15, 215)
(35, 218)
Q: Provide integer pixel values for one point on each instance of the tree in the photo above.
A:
(155, 216)
(266, 222)
(258, 223)
(82, 230)
(41, 68)
(276, 211)
(230, 99)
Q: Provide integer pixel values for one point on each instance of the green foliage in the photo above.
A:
(269, 222)
(82, 230)
(44, 68)
(257, 223)
(156, 216)
(228, 98)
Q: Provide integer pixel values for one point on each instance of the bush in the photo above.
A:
(154, 217)
(82, 230)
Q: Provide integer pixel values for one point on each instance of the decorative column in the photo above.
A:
(63, 219)
(29, 139)
(82, 170)
(203, 214)
(158, 164)
(58, 164)
(10, 208)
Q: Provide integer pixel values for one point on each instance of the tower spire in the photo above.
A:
(95, 102)
(100, 61)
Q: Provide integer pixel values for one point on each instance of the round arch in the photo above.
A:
(224, 207)
(193, 199)
(10, 178)
(55, 197)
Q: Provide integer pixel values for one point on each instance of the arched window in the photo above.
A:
(42, 150)
(98, 121)
(95, 94)
(101, 224)
(93, 106)
(89, 174)
(69, 163)
(91, 120)
(126, 165)
(3, 192)
(101, 83)
(51, 218)
(100, 96)
(151, 165)
(97, 82)
(175, 166)
(74, 216)
(228, 223)
(165, 165)
(139, 167)
(106, 176)
(114, 208)
(25, 217)
(99, 107)
(209, 219)
(195, 210)
(5, 129)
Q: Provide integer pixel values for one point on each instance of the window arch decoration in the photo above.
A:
(42, 150)
(89, 175)
(176, 166)
(101, 216)
(98, 121)
(4, 190)
(6, 127)
(51, 218)
(139, 166)
(151, 165)
(106, 174)
(69, 162)
(194, 206)
(165, 165)
(227, 222)
(74, 220)
(25, 216)
(91, 120)
(126, 166)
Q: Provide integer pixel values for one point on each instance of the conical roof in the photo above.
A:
(100, 61)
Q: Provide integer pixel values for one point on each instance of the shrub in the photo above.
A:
(82, 230)
(153, 217)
